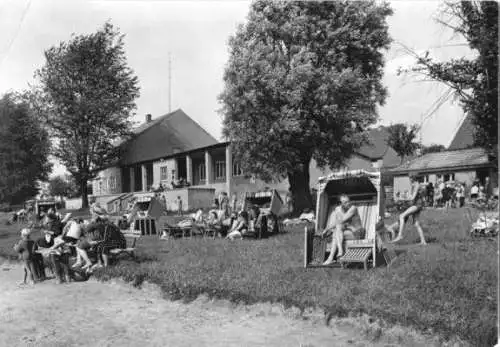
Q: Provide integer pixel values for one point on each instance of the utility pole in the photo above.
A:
(421, 126)
(169, 83)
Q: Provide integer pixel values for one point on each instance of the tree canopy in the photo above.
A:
(433, 148)
(474, 81)
(303, 82)
(402, 138)
(87, 93)
(63, 186)
(24, 151)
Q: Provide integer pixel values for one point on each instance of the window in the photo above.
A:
(449, 177)
(423, 179)
(237, 170)
(112, 183)
(100, 187)
(173, 175)
(163, 173)
(202, 171)
(220, 169)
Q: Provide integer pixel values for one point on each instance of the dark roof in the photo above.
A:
(163, 137)
(464, 137)
(377, 147)
(459, 159)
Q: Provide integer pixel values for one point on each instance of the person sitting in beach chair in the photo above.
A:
(347, 225)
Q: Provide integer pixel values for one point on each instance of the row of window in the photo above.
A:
(445, 178)
(220, 171)
(108, 184)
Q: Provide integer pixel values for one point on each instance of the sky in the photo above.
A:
(195, 33)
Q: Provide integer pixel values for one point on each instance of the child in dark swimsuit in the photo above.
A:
(418, 204)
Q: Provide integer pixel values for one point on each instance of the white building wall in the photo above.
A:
(171, 164)
(108, 181)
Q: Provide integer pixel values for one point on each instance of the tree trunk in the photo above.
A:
(83, 193)
(299, 187)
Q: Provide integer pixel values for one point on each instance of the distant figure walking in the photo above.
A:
(461, 195)
(179, 206)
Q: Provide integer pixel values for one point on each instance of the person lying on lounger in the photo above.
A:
(348, 224)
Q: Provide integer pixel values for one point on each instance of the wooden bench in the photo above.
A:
(131, 237)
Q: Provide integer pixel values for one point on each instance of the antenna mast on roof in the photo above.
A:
(169, 83)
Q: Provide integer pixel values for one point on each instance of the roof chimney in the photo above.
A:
(148, 118)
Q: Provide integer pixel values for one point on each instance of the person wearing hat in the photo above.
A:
(25, 247)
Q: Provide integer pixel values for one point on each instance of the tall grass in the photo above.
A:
(448, 287)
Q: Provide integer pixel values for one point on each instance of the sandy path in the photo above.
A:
(115, 314)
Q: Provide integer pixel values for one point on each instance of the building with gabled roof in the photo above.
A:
(174, 146)
(464, 137)
(462, 162)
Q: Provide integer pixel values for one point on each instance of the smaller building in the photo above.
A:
(463, 165)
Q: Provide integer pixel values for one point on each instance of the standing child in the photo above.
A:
(26, 249)
(179, 206)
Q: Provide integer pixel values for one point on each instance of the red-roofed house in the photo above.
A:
(174, 146)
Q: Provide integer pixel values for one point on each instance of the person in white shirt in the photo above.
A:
(474, 191)
(461, 195)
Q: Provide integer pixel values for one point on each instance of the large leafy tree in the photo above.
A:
(24, 151)
(87, 92)
(303, 82)
(474, 80)
(403, 139)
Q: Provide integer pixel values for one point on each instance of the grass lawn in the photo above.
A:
(448, 287)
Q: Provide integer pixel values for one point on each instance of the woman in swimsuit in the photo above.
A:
(418, 204)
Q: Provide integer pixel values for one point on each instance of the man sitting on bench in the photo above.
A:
(348, 225)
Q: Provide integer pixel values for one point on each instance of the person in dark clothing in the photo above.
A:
(123, 223)
(53, 223)
(430, 194)
(112, 238)
(56, 256)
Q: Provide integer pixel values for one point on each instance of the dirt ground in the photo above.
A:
(116, 314)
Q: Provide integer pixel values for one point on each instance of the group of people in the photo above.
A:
(63, 238)
(454, 194)
(347, 222)
(231, 224)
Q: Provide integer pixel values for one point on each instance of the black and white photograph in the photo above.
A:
(249, 173)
